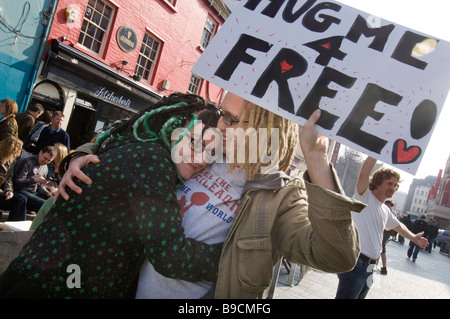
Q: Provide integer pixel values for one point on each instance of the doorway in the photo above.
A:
(81, 121)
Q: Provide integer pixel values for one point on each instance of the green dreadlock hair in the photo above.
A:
(167, 128)
(161, 119)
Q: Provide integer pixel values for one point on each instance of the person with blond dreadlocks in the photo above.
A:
(128, 215)
(260, 214)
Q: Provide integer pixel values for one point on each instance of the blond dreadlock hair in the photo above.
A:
(288, 138)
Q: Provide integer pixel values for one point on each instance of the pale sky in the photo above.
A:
(429, 17)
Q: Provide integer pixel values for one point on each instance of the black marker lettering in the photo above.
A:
(328, 48)
(271, 10)
(403, 52)
(238, 54)
(289, 16)
(361, 27)
(287, 64)
(423, 119)
(311, 23)
(320, 90)
(351, 129)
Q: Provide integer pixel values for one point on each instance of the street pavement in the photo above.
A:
(427, 278)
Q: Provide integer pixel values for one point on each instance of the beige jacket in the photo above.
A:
(307, 225)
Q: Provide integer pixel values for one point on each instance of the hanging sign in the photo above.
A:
(127, 39)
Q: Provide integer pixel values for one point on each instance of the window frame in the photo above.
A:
(90, 22)
(211, 34)
(196, 85)
(141, 57)
(172, 4)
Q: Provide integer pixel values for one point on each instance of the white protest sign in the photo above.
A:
(380, 86)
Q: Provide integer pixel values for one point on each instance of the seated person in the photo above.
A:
(29, 177)
(10, 148)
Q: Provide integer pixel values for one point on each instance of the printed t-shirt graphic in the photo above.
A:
(209, 202)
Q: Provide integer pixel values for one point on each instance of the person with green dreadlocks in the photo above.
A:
(93, 245)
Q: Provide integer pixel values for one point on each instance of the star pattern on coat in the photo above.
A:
(129, 213)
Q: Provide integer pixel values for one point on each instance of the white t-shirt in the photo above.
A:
(371, 223)
(209, 202)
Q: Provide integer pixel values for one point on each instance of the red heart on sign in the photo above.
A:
(403, 155)
(285, 66)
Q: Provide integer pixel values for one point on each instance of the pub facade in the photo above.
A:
(106, 60)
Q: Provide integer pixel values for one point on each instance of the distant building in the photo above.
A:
(399, 199)
(439, 208)
(419, 200)
(417, 196)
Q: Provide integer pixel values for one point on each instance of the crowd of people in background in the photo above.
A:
(32, 145)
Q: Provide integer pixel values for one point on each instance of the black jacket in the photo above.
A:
(420, 225)
(433, 231)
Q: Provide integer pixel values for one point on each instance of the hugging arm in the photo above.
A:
(151, 196)
(71, 168)
(160, 228)
(418, 238)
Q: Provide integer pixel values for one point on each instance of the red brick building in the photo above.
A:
(439, 210)
(107, 59)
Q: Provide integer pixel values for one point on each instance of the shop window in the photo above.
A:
(148, 56)
(85, 103)
(110, 114)
(114, 115)
(208, 32)
(96, 25)
(194, 85)
(104, 112)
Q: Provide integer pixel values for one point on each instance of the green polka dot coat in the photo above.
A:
(129, 213)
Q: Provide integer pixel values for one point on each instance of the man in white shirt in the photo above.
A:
(371, 223)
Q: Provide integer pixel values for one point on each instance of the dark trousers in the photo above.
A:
(431, 242)
(17, 207)
(413, 250)
(34, 199)
(355, 284)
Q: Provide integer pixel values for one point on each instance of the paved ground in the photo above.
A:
(427, 278)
